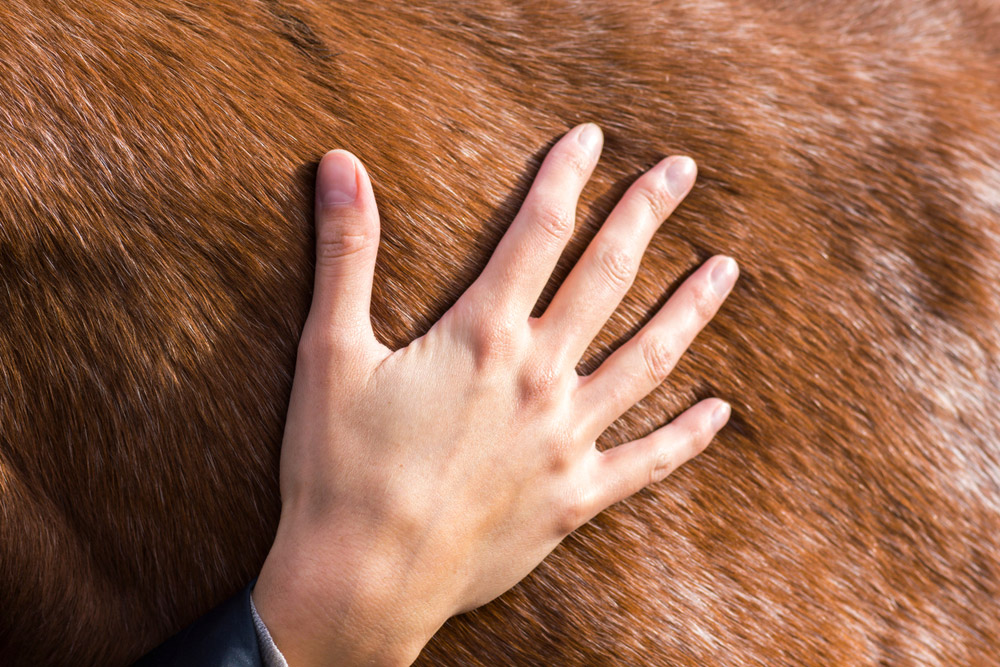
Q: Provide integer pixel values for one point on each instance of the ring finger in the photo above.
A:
(645, 360)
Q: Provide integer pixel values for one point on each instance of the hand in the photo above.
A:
(420, 483)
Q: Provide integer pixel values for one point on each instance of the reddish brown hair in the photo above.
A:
(156, 167)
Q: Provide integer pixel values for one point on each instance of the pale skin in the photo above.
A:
(421, 483)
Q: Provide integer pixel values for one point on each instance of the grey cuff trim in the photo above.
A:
(269, 653)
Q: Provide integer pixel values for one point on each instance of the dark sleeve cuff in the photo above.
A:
(224, 637)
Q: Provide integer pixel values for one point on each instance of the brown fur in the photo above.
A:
(156, 167)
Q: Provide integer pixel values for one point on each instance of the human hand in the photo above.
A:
(421, 483)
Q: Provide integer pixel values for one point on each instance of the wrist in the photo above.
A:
(328, 605)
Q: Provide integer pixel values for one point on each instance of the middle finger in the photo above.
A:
(607, 268)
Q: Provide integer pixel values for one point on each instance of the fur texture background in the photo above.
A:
(156, 167)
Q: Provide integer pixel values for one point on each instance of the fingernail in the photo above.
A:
(589, 137)
(680, 175)
(723, 276)
(338, 180)
(720, 416)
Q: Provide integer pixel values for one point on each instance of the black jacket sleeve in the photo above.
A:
(224, 637)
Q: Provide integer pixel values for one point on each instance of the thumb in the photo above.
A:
(347, 234)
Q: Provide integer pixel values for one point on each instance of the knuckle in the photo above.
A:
(575, 160)
(336, 244)
(539, 383)
(617, 267)
(658, 357)
(494, 341)
(553, 219)
(659, 469)
(663, 464)
(656, 198)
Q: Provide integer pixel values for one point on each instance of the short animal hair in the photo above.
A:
(156, 255)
